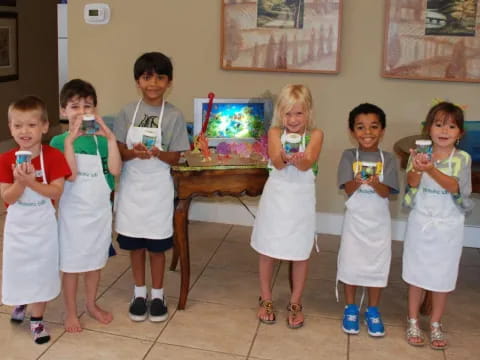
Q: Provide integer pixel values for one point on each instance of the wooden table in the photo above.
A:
(402, 148)
(206, 181)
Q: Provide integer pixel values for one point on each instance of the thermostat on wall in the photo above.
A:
(96, 13)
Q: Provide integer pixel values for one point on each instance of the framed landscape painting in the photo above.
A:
(432, 40)
(281, 35)
(8, 46)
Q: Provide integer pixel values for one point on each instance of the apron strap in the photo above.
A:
(42, 167)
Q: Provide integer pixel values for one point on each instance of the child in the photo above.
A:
(30, 240)
(85, 215)
(438, 192)
(285, 224)
(365, 248)
(144, 211)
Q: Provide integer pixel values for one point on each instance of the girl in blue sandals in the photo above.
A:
(284, 228)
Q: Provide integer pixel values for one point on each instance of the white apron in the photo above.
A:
(85, 217)
(365, 248)
(30, 249)
(144, 207)
(434, 238)
(285, 222)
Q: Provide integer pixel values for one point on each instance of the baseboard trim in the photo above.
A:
(327, 223)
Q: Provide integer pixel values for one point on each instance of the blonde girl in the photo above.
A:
(284, 228)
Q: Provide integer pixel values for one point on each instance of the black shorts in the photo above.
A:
(152, 245)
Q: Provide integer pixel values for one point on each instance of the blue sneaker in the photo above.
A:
(374, 322)
(351, 323)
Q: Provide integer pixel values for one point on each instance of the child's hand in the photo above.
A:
(104, 130)
(296, 157)
(75, 128)
(140, 151)
(24, 174)
(422, 162)
(359, 179)
(372, 180)
(155, 152)
(285, 158)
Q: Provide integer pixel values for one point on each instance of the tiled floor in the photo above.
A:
(219, 322)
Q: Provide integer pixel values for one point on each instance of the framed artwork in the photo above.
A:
(8, 46)
(281, 35)
(432, 40)
(8, 2)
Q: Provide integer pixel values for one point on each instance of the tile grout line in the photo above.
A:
(210, 258)
(191, 286)
(275, 277)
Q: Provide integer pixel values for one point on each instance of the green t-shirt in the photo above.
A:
(86, 145)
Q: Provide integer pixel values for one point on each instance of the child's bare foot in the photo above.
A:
(102, 316)
(72, 324)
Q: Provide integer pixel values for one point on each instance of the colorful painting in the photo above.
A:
(235, 120)
(432, 40)
(281, 35)
(451, 17)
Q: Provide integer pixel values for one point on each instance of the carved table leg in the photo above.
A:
(181, 244)
(173, 264)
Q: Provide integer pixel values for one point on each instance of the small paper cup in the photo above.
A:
(89, 126)
(368, 169)
(23, 156)
(149, 139)
(292, 143)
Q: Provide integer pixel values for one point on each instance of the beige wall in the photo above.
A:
(188, 31)
(37, 54)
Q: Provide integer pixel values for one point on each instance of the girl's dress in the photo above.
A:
(365, 248)
(30, 249)
(144, 201)
(85, 217)
(434, 238)
(285, 222)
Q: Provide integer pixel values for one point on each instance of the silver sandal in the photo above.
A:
(437, 335)
(414, 332)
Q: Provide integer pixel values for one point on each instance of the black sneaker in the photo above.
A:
(138, 309)
(158, 310)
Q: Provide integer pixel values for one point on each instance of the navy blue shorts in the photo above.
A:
(152, 245)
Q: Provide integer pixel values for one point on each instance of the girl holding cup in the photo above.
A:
(284, 228)
(438, 192)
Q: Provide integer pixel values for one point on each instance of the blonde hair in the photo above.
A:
(288, 97)
(29, 103)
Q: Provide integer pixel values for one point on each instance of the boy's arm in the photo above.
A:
(351, 186)
(114, 158)
(11, 192)
(68, 149)
(53, 190)
(381, 189)
(310, 156)
(24, 176)
(170, 157)
(276, 153)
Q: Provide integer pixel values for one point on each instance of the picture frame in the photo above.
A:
(8, 46)
(8, 2)
(432, 40)
(291, 36)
